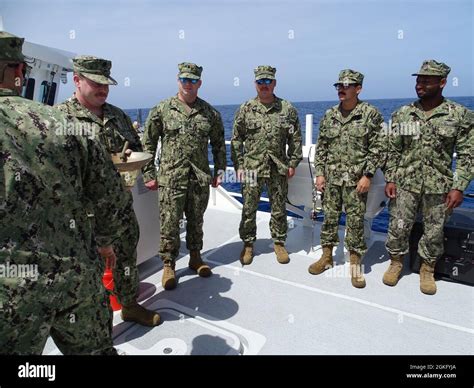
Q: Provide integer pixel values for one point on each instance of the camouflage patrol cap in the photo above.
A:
(10, 48)
(349, 76)
(432, 67)
(93, 68)
(189, 70)
(264, 71)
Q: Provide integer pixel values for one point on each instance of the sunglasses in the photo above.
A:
(343, 86)
(265, 81)
(185, 80)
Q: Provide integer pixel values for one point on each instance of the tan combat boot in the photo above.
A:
(324, 263)
(281, 253)
(357, 274)
(196, 264)
(427, 282)
(392, 274)
(168, 280)
(246, 256)
(133, 312)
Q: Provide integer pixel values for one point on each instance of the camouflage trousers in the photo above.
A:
(354, 204)
(192, 201)
(125, 272)
(403, 212)
(73, 309)
(277, 187)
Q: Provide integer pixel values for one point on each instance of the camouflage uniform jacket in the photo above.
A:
(349, 146)
(260, 136)
(46, 177)
(184, 142)
(112, 131)
(420, 153)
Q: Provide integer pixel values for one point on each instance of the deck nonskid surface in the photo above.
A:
(270, 308)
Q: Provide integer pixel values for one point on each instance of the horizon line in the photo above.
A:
(332, 101)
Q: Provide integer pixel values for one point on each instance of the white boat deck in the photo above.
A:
(270, 308)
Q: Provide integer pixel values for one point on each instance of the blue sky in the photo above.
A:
(307, 41)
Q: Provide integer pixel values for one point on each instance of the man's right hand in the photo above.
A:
(152, 185)
(107, 253)
(320, 183)
(391, 190)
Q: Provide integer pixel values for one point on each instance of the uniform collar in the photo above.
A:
(354, 112)
(177, 104)
(108, 113)
(80, 111)
(276, 105)
(442, 109)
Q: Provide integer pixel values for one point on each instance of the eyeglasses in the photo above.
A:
(185, 80)
(343, 86)
(265, 81)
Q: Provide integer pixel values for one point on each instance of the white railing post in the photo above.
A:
(309, 130)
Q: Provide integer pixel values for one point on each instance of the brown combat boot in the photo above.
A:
(246, 256)
(324, 263)
(427, 282)
(281, 253)
(133, 312)
(168, 280)
(197, 265)
(357, 275)
(392, 274)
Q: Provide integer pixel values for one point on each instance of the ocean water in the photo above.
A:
(317, 109)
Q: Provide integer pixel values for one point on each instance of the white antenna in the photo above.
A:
(1, 23)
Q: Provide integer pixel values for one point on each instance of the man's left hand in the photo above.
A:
(363, 185)
(107, 253)
(291, 172)
(216, 181)
(454, 199)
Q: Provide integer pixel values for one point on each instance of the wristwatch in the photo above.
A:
(368, 174)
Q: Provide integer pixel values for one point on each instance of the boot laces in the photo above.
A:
(426, 276)
(167, 267)
(394, 267)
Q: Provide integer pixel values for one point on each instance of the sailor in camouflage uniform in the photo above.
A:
(50, 283)
(112, 128)
(263, 127)
(422, 139)
(347, 155)
(183, 124)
